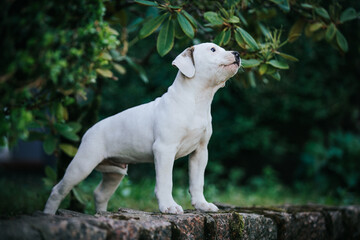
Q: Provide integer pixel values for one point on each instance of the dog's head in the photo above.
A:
(208, 61)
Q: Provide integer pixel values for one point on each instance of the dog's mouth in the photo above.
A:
(237, 63)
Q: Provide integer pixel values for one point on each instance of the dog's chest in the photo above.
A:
(193, 134)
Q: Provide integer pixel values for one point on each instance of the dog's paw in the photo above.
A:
(206, 207)
(171, 208)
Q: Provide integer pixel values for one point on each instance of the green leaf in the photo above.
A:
(264, 30)
(307, 6)
(48, 183)
(78, 195)
(248, 39)
(105, 72)
(234, 19)
(49, 145)
(282, 4)
(223, 12)
(322, 12)
(185, 25)
(213, 18)
(142, 75)
(278, 64)
(262, 69)
(61, 127)
(219, 38)
(119, 68)
(249, 63)
(288, 57)
(240, 41)
(348, 14)
(67, 131)
(106, 56)
(227, 36)
(315, 26)
(76, 127)
(61, 112)
(151, 25)
(190, 18)
(68, 101)
(138, 68)
(270, 70)
(116, 55)
(296, 30)
(179, 33)
(341, 41)
(285, 6)
(70, 150)
(50, 173)
(165, 40)
(71, 136)
(276, 75)
(174, 7)
(243, 20)
(252, 80)
(147, 3)
(330, 32)
(51, 177)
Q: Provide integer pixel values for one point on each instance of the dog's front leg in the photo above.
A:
(197, 164)
(164, 162)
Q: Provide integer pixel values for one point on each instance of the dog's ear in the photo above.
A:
(185, 62)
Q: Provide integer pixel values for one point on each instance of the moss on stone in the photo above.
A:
(236, 225)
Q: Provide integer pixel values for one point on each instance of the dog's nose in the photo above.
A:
(237, 56)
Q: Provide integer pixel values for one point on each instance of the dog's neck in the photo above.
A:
(195, 91)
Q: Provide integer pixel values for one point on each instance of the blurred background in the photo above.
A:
(285, 128)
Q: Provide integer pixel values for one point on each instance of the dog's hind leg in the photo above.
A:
(108, 185)
(79, 168)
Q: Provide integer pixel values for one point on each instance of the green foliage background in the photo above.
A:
(305, 127)
(291, 113)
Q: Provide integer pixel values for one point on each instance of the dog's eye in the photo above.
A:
(213, 49)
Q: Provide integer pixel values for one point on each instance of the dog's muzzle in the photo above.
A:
(237, 57)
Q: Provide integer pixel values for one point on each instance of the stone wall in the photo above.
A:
(285, 222)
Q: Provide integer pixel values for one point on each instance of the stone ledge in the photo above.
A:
(284, 222)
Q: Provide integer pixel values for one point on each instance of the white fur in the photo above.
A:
(174, 125)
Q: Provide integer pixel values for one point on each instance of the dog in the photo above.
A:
(172, 126)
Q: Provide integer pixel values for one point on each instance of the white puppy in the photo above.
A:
(174, 125)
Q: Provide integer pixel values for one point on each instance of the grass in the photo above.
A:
(24, 194)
